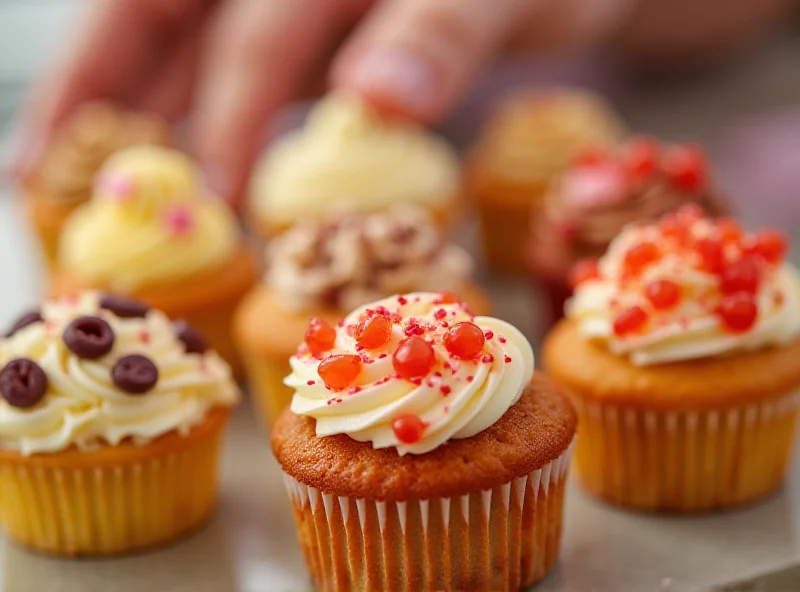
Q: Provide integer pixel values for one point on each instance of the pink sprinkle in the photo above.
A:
(452, 313)
(115, 187)
(417, 381)
(416, 298)
(487, 359)
(445, 389)
(340, 322)
(501, 339)
(71, 298)
(402, 300)
(488, 335)
(179, 220)
(447, 408)
(470, 378)
(311, 382)
(430, 384)
(508, 359)
(380, 357)
(144, 337)
(353, 390)
(440, 314)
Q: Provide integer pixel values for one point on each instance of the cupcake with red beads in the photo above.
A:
(421, 452)
(680, 357)
(601, 193)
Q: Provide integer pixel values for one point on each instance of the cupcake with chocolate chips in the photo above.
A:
(111, 418)
(323, 269)
(62, 180)
(421, 452)
(680, 355)
(602, 192)
(151, 233)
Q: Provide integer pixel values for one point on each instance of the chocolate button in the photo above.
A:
(23, 383)
(135, 374)
(125, 308)
(89, 337)
(193, 340)
(29, 318)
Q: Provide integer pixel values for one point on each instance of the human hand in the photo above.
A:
(231, 64)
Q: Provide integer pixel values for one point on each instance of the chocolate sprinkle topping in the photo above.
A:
(23, 383)
(135, 374)
(89, 337)
(29, 318)
(124, 308)
(193, 340)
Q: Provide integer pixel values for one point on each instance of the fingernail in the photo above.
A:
(217, 181)
(401, 77)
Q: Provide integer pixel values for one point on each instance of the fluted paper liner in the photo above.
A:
(690, 461)
(498, 539)
(125, 501)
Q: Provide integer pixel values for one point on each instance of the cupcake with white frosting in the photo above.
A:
(419, 434)
(679, 351)
(111, 419)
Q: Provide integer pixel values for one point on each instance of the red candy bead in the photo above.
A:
(414, 358)
(446, 298)
(640, 157)
(770, 245)
(738, 312)
(712, 254)
(338, 372)
(630, 320)
(464, 340)
(663, 294)
(583, 271)
(320, 336)
(408, 428)
(686, 167)
(743, 275)
(640, 256)
(374, 332)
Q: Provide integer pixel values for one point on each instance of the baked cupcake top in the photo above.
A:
(348, 259)
(94, 368)
(533, 136)
(149, 222)
(409, 372)
(79, 148)
(688, 288)
(605, 190)
(348, 155)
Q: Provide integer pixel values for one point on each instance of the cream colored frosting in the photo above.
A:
(349, 156)
(458, 399)
(346, 260)
(692, 329)
(149, 222)
(83, 407)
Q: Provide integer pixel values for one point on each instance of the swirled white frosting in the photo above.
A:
(692, 329)
(458, 399)
(82, 405)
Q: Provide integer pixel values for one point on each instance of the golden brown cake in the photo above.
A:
(62, 180)
(440, 463)
(528, 142)
(112, 418)
(679, 355)
(322, 269)
(151, 233)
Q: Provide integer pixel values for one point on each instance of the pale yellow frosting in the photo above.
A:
(349, 156)
(149, 222)
(82, 405)
(458, 399)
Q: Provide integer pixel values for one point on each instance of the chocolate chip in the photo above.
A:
(29, 318)
(135, 374)
(23, 383)
(89, 337)
(193, 340)
(125, 308)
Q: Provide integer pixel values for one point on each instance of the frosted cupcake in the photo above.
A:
(111, 420)
(349, 157)
(150, 232)
(527, 143)
(680, 356)
(420, 452)
(602, 192)
(323, 269)
(63, 178)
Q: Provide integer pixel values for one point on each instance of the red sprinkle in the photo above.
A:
(508, 359)
(445, 389)
(144, 337)
(488, 335)
(440, 314)
(353, 390)
(311, 382)
(487, 359)
(417, 381)
(470, 378)
(380, 357)
(402, 300)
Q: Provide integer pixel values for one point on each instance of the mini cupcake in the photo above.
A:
(421, 453)
(680, 356)
(63, 178)
(151, 233)
(528, 142)
(349, 157)
(324, 269)
(111, 420)
(601, 193)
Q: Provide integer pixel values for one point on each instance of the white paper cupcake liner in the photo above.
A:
(498, 539)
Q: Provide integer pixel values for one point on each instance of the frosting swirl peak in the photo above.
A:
(412, 392)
